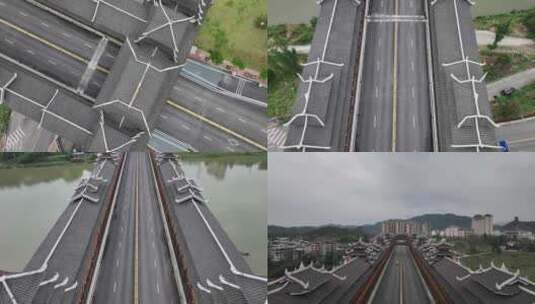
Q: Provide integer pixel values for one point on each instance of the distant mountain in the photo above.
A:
(315, 232)
(519, 225)
(439, 221)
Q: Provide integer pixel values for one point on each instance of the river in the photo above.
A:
(31, 200)
(299, 11)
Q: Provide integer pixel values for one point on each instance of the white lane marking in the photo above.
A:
(242, 120)
(375, 121)
(66, 35)
(117, 263)
(413, 92)
(52, 62)
(220, 110)
(377, 65)
(153, 245)
(411, 4)
(120, 243)
(230, 149)
(185, 127)
(207, 138)
(154, 263)
(414, 121)
(412, 43)
(30, 52)
(114, 286)
(23, 14)
(412, 66)
(157, 287)
(376, 91)
(9, 41)
(45, 24)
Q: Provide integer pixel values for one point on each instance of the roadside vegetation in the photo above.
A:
(5, 113)
(500, 63)
(235, 30)
(228, 159)
(525, 261)
(40, 159)
(284, 64)
(520, 104)
(522, 22)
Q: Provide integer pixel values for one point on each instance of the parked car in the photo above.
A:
(507, 91)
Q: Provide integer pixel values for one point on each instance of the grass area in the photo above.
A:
(291, 34)
(5, 114)
(470, 246)
(500, 64)
(281, 99)
(37, 159)
(518, 27)
(518, 105)
(230, 28)
(525, 261)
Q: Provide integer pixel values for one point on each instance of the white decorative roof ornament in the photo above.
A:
(168, 25)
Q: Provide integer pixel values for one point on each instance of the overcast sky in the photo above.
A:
(364, 188)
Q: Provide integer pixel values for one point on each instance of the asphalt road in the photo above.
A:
(24, 20)
(116, 282)
(156, 281)
(376, 102)
(520, 135)
(413, 109)
(116, 279)
(410, 107)
(401, 282)
(19, 20)
(246, 119)
(201, 136)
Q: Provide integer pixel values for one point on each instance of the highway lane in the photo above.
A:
(401, 282)
(520, 134)
(249, 120)
(56, 30)
(156, 281)
(64, 63)
(115, 282)
(413, 107)
(200, 135)
(376, 100)
(46, 59)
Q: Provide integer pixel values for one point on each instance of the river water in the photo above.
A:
(237, 196)
(31, 200)
(299, 11)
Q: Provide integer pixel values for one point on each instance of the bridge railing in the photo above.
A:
(365, 292)
(176, 239)
(437, 291)
(88, 269)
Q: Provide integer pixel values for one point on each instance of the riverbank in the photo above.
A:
(13, 160)
(231, 31)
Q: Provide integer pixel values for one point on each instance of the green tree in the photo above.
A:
(502, 29)
(216, 56)
(529, 23)
(238, 62)
(282, 65)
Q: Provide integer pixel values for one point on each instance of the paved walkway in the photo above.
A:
(483, 38)
(517, 80)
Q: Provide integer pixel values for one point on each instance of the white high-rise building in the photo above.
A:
(482, 224)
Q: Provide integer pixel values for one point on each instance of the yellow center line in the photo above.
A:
(216, 125)
(50, 44)
(136, 242)
(395, 84)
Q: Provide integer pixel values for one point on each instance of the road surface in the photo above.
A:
(394, 102)
(401, 282)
